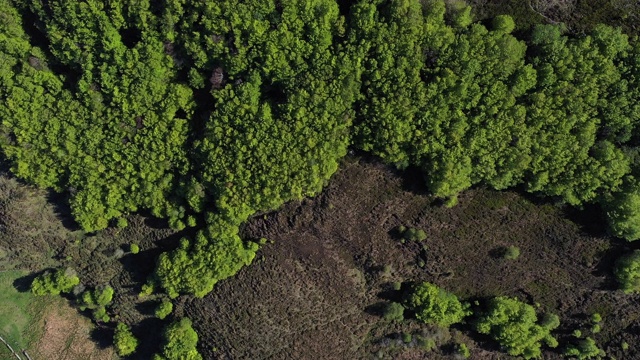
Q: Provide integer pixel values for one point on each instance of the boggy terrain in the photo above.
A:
(316, 289)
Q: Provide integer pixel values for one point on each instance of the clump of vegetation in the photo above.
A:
(197, 265)
(124, 340)
(407, 337)
(393, 311)
(584, 349)
(55, 282)
(627, 272)
(596, 318)
(134, 248)
(97, 300)
(412, 234)
(461, 350)
(515, 326)
(180, 342)
(577, 333)
(434, 305)
(511, 252)
(164, 309)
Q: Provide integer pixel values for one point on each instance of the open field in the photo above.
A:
(46, 327)
(316, 290)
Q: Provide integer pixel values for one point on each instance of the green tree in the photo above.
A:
(515, 326)
(434, 305)
(627, 272)
(55, 282)
(124, 341)
(393, 311)
(583, 349)
(164, 309)
(180, 342)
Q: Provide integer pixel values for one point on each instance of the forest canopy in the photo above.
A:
(205, 113)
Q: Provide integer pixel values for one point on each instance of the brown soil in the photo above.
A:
(315, 292)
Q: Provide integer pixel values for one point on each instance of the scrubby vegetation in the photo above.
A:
(627, 272)
(206, 113)
(434, 305)
(97, 300)
(179, 342)
(55, 282)
(516, 327)
(164, 309)
(124, 341)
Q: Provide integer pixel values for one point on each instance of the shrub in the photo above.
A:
(54, 283)
(412, 234)
(462, 350)
(511, 252)
(577, 333)
(627, 272)
(503, 23)
(393, 311)
(596, 329)
(124, 341)
(97, 300)
(121, 223)
(134, 248)
(434, 305)
(180, 342)
(406, 338)
(515, 326)
(164, 309)
(583, 349)
(596, 318)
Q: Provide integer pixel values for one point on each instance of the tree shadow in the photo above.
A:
(23, 284)
(147, 307)
(102, 336)
(149, 335)
(141, 265)
(60, 203)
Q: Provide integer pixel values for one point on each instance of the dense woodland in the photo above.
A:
(206, 113)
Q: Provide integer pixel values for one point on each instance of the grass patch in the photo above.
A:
(19, 314)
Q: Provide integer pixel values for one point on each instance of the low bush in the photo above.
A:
(124, 341)
(54, 283)
(515, 326)
(584, 349)
(627, 272)
(164, 309)
(434, 305)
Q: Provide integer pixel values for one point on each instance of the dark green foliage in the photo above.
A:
(412, 234)
(164, 309)
(627, 272)
(124, 341)
(515, 326)
(434, 305)
(623, 212)
(583, 349)
(406, 337)
(393, 311)
(54, 283)
(180, 342)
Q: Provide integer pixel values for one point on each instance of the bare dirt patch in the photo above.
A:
(315, 292)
